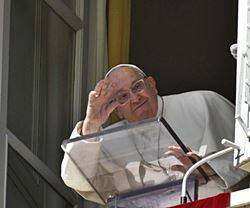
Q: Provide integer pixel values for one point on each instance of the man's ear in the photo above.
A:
(152, 84)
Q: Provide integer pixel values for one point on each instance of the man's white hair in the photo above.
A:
(130, 66)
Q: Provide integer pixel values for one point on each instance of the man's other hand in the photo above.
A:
(186, 162)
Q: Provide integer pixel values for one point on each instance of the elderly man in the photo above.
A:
(200, 118)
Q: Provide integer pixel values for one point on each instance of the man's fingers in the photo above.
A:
(194, 156)
(92, 96)
(178, 153)
(101, 85)
(184, 158)
(106, 89)
(174, 147)
(179, 168)
(171, 153)
(175, 151)
(98, 87)
(110, 91)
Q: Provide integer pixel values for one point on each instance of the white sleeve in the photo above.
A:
(82, 153)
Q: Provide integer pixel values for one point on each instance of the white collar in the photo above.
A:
(160, 105)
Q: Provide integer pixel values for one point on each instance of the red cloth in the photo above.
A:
(218, 201)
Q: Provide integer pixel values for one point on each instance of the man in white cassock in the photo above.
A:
(200, 118)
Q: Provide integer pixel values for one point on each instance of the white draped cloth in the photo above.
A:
(200, 118)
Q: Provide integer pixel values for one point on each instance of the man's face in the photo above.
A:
(140, 105)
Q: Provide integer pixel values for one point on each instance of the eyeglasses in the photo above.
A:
(123, 96)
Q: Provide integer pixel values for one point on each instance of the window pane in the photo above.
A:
(21, 69)
(58, 62)
(40, 94)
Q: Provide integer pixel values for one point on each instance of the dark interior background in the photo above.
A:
(185, 44)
